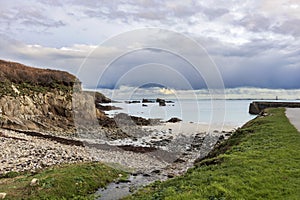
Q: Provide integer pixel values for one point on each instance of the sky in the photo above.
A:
(106, 43)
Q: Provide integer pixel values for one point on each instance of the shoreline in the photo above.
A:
(160, 148)
(240, 167)
(164, 156)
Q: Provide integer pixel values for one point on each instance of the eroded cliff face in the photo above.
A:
(49, 111)
(43, 100)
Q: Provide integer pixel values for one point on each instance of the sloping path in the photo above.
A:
(294, 116)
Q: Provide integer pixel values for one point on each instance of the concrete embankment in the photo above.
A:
(257, 106)
(294, 117)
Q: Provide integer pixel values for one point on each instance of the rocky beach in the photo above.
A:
(48, 120)
(162, 152)
(159, 150)
(21, 152)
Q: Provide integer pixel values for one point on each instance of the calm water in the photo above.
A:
(231, 112)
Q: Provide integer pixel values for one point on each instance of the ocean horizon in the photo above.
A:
(233, 112)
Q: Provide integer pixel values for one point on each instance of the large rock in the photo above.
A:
(174, 120)
(45, 100)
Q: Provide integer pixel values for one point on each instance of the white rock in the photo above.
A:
(34, 182)
(2, 195)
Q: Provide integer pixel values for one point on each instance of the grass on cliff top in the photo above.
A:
(261, 161)
(73, 181)
(31, 88)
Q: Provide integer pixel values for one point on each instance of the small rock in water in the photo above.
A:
(174, 120)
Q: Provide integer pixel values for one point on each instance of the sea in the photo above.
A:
(229, 112)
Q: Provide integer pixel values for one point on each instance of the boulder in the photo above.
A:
(161, 102)
(148, 101)
(174, 120)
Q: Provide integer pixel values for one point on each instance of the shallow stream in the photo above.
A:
(118, 190)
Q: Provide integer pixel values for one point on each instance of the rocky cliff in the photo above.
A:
(41, 99)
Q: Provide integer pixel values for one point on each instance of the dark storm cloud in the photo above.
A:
(258, 64)
(254, 43)
(255, 48)
(153, 66)
(267, 69)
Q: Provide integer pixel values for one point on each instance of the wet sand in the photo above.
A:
(186, 128)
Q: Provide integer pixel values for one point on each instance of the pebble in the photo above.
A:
(2, 195)
(34, 182)
(21, 152)
(27, 153)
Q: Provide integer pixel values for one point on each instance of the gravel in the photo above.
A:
(20, 152)
(177, 148)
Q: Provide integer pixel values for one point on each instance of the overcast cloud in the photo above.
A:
(252, 43)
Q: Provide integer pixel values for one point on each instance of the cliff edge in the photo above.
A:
(41, 99)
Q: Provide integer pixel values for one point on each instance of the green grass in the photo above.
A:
(75, 181)
(30, 88)
(260, 161)
(6, 89)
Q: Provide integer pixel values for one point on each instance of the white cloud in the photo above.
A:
(125, 93)
(166, 91)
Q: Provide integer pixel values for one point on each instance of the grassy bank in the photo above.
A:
(76, 181)
(260, 161)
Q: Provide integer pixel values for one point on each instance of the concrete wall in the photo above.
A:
(257, 106)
